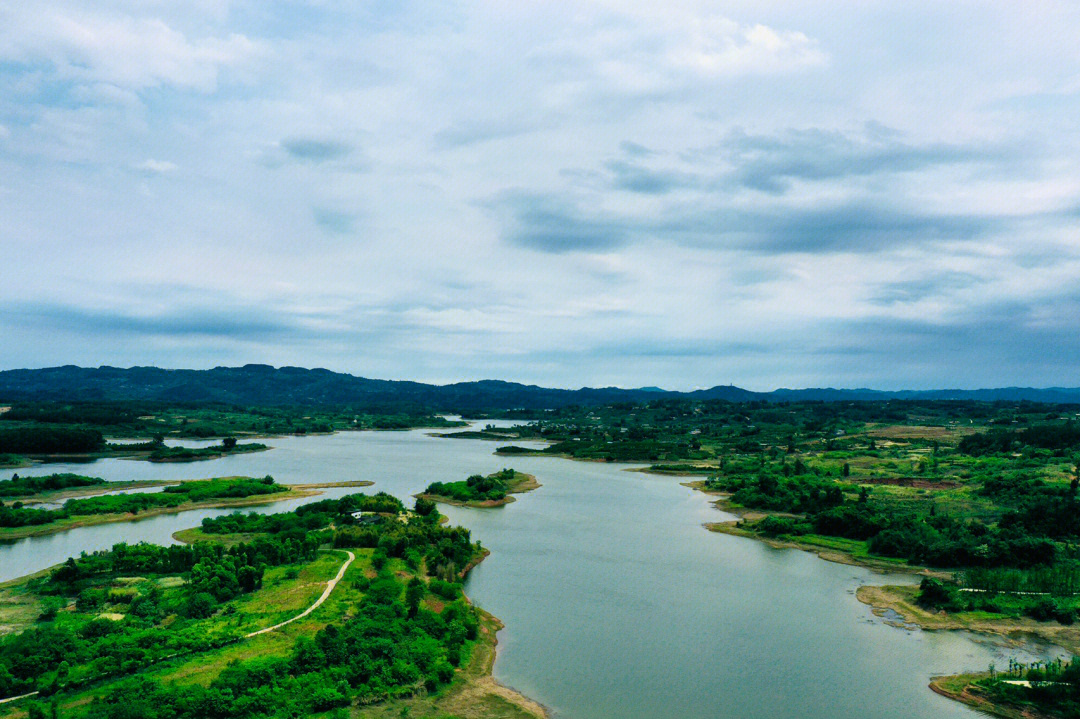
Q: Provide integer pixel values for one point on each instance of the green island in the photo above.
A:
(10, 460)
(493, 490)
(21, 518)
(304, 613)
(36, 431)
(23, 487)
(979, 497)
(228, 445)
(488, 432)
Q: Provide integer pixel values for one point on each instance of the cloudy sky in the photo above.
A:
(883, 194)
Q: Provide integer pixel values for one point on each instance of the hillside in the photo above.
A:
(265, 385)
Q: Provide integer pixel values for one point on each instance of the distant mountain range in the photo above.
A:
(255, 384)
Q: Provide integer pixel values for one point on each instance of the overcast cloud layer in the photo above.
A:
(766, 194)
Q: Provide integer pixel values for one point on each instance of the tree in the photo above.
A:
(424, 507)
(7, 681)
(846, 470)
(414, 594)
(229, 443)
(200, 605)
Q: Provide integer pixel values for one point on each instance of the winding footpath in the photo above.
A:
(15, 699)
(318, 603)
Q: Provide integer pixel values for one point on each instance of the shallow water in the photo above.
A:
(617, 602)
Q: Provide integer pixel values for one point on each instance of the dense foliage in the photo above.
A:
(476, 488)
(25, 486)
(931, 539)
(389, 648)
(307, 517)
(1053, 690)
(395, 643)
(1053, 436)
(155, 623)
(50, 440)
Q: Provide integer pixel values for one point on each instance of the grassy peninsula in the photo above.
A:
(493, 490)
(316, 615)
(19, 519)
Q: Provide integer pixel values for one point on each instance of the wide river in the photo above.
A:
(617, 603)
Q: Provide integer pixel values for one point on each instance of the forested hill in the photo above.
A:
(265, 385)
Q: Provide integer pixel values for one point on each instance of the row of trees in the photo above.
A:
(1059, 436)
(50, 440)
(25, 486)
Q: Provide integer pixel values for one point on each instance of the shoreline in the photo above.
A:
(35, 460)
(486, 504)
(830, 552)
(467, 434)
(962, 688)
(901, 600)
(672, 472)
(898, 599)
(484, 681)
(479, 675)
(296, 491)
(475, 686)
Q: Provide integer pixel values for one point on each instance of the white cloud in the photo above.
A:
(125, 50)
(348, 158)
(156, 167)
(719, 47)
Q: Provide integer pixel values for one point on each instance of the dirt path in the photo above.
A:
(318, 602)
(21, 696)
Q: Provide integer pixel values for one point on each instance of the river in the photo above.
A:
(617, 603)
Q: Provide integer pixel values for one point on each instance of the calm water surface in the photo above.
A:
(618, 604)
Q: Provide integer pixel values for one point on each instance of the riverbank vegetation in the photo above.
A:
(55, 430)
(145, 631)
(493, 490)
(202, 420)
(927, 483)
(20, 520)
(983, 497)
(1018, 690)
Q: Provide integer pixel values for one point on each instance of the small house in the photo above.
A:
(367, 517)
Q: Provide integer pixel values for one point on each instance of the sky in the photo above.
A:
(680, 194)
